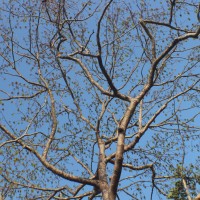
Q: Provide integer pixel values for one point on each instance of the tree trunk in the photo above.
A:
(108, 195)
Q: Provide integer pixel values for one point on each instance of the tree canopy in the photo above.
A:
(99, 99)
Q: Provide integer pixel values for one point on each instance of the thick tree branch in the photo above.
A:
(91, 79)
(46, 164)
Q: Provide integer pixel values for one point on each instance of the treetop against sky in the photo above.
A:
(99, 99)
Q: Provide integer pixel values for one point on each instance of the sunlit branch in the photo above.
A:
(82, 164)
(91, 79)
(20, 97)
(186, 189)
(145, 127)
(153, 50)
(47, 164)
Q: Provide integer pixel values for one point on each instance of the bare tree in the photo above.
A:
(99, 99)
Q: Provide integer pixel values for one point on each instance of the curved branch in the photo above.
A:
(49, 166)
